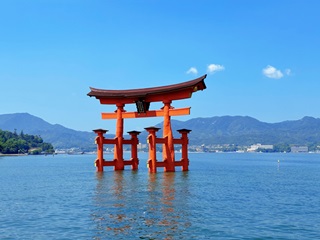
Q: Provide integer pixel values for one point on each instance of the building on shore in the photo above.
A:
(255, 147)
(299, 149)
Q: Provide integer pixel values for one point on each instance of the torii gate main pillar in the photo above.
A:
(168, 149)
(118, 151)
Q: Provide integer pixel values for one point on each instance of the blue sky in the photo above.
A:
(262, 57)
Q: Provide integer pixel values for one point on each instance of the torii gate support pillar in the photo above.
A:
(184, 140)
(134, 141)
(99, 141)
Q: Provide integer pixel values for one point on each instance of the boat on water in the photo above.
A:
(75, 152)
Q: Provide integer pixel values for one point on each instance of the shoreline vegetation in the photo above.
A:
(13, 154)
(21, 144)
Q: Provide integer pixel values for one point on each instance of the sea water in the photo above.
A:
(223, 196)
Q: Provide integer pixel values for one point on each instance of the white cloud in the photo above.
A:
(272, 72)
(212, 68)
(192, 70)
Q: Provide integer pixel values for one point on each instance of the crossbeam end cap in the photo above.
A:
(100, 130)
(152, 128)
(184, 130)
(134, 132)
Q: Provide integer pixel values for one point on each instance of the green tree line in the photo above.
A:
(13, 143)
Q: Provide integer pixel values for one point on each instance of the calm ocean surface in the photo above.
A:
(223, 196)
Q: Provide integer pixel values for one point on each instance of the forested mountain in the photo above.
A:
(214, 130)
(13, 143)
(247, 130)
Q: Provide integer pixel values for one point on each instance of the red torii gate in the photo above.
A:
(142, 98)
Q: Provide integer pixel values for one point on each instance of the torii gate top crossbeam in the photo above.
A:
(155, 94)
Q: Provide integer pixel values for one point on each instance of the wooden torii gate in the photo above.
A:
(142, 98)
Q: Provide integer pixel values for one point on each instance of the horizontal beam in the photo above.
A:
(161, 164)
(178, 163)
(177, 141)
(109, 141)
(155, 113)
(109, 163)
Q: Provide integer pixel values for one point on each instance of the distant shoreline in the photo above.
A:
(13, 155)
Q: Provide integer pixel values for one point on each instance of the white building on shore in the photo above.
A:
(300, 149)
(255, 147)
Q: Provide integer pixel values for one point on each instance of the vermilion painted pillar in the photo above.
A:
(184, 148)
(99, 142)
(152, 161)
(118, 148)
(168, 150)
(134, 149)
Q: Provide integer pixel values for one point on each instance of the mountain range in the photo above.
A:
(239, 130)
(58, 135)
(244, 130)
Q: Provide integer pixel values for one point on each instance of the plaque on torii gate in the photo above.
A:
(142, 98)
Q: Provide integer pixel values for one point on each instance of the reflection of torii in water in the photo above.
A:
(142, 98)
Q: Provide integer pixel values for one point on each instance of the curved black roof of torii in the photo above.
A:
(153, 94)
